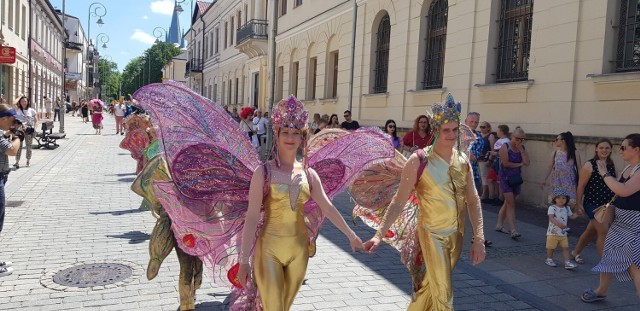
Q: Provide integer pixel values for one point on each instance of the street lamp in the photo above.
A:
(158, 32)
(98, 11)
(179, 8)
(102, 38)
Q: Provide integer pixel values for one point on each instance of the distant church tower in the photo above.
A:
(174, 35)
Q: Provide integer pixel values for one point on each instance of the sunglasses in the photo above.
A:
(623, 148)
(519, 138)
(391, 126)
(483, 127)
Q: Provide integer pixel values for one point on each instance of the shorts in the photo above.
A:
(483, 170)
(505, 188)
(553, 241)
(588, 209)
(492, 174)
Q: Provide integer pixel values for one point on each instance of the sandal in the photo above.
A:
(502, 230)
(578, 259)
(590, 296)
(515, 234)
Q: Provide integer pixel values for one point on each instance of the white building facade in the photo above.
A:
(76, 47)
(14, 33)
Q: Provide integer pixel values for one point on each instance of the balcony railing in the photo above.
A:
(194, 65)
(254, 29)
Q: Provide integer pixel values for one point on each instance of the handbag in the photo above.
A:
(29, 130)
(515, 180)
(605, 214)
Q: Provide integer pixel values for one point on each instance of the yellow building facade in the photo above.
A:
(548, 66)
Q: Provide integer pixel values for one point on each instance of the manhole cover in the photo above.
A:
(95, 274)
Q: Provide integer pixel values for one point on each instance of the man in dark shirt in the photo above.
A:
(9, 144)
(349, 124)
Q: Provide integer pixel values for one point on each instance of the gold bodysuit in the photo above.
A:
(281, 253)
(441, 221)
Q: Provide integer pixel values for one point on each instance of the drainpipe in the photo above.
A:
(274, 32)
(353, 52)
(29, 88)
(202, 53)
(63, 98)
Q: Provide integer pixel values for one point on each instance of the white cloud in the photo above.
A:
(143, 37)
(162, 7)
(145, 17)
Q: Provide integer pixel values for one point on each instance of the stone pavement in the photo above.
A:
(73, 205)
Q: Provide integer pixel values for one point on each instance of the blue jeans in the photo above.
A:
(56, 114)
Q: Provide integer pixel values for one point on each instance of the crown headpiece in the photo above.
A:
(289, 113)
(448, 111)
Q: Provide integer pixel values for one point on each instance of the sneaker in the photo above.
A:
(5, 271)
(549, 262)
(569, 265)
(5, 264)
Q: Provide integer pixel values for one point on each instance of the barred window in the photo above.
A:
(382, 55)
(436, 39)
(628, 58)
(514, 40)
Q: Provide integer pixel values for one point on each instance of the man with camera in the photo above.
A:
(9, 145)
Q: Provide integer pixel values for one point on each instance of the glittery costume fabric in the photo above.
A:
(211, 163)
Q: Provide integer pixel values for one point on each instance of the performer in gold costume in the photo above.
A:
(282, 248)
(444, 189)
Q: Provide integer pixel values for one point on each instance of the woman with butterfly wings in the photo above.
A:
(219, 190)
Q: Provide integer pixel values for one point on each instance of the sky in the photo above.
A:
(129, 24)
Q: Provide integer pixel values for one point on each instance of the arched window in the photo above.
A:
(628, 58)
(381, 70)
(436, 38)
(514, 40)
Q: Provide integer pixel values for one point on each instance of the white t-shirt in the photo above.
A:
(498, 144)
(29, 116)
(260, 125)
(119, 110)
(562, 215)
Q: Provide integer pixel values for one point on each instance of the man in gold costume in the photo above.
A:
(445, 190)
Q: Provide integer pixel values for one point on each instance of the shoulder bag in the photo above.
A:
(605, 214)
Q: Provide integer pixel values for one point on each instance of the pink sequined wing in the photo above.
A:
(136, 141)
(208, 155)
(338, 156)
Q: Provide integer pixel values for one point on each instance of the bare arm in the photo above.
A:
(621, 189)
(253, 214)
(407, 182)
(14, 146)
(550, 166)
(552, 219)
(330, 211)
(583, 179)
(525, 156)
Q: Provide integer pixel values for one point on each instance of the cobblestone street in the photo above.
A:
(74, 206)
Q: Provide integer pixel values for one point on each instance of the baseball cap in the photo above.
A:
(12, 113)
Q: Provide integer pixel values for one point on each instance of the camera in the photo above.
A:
(17, 129)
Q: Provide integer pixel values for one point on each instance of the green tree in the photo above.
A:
(147, 68)
(109, 79)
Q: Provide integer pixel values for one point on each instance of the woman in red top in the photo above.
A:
(420, 137)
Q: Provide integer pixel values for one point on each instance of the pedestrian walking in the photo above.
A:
(119, 110)
(9, 146)
(621, 253)
(591, 193)
(84, 110)
(96, 118)
(47, 107)
(563, 167)
(559, 213)
(30, 118)
(513, 156)
(445, 192)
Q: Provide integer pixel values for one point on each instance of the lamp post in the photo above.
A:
(179, 8)
(102, 38)
(158, 32)
(103, 75)
(98, 11)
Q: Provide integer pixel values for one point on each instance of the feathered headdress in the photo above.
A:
(289, 112)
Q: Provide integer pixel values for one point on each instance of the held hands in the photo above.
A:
(477, 253)
(371, 245)
(356, 243)
(243, 273)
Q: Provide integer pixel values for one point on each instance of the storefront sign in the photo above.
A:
(7, 55)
